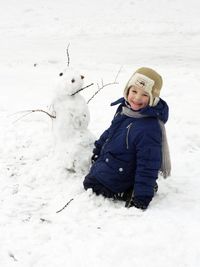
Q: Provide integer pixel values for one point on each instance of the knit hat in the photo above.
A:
(147, 79)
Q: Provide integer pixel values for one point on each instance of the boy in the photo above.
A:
(129, 154)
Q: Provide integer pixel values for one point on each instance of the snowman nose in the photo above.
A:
(82, 77)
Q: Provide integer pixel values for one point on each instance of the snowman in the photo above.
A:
(73, 140)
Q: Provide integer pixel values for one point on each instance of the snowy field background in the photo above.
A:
(104, 36)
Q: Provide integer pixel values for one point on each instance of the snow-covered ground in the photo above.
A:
(104, 36)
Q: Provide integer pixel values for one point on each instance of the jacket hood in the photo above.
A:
(160, 111)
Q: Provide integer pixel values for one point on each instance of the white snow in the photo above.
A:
(104, 36)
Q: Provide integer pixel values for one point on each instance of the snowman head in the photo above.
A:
(70, 81)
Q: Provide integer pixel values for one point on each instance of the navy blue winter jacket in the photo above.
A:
(130, 151)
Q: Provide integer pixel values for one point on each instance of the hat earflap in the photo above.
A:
(155, 101)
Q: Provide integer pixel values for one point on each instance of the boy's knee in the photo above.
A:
(97, 187)
(88, 182)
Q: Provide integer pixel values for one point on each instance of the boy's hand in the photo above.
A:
(95, 155)
(94, 158)
(136, 203)
(139, 203)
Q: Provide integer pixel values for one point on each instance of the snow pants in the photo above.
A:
(97, 187)
(100, 189)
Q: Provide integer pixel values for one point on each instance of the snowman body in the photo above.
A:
(73, 140)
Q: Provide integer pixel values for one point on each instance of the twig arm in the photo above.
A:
(104, 85)
(28, 112)
(81, 89)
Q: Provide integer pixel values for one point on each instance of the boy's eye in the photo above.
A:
(145, 94)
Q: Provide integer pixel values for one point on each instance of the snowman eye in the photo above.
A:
(61, 74)
(73, 80)
(82, 77)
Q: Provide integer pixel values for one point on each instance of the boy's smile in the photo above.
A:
(137, 98)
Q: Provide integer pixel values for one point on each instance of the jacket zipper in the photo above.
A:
(104, 144)
(128, 130)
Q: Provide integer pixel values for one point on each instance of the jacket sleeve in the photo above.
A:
(100, 142)
(148, 163)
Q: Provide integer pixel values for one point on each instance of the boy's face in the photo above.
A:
(137, 98)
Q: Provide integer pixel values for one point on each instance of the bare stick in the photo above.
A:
(118, 74)
(82, 89)
(41, 110)
(68, 58)
(65, 205)
(15, 113)
(99, 89)
(28, 112)
(104, 85)
(22, 116)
